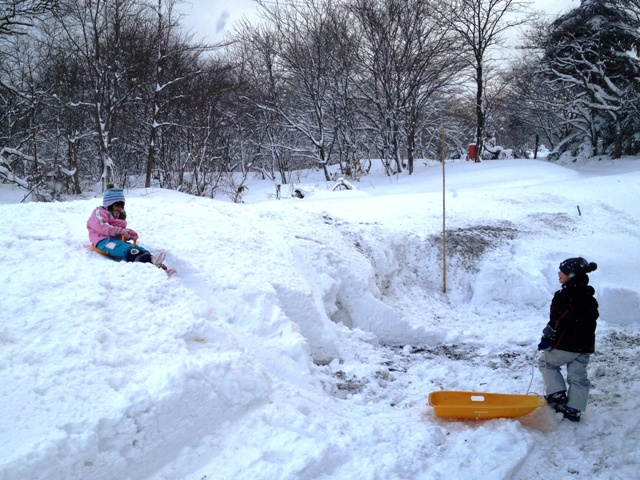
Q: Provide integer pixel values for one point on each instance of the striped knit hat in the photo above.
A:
(111, 196)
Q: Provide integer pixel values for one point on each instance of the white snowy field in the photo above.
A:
(302, 337)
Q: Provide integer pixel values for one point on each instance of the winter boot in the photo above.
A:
(158, 259)
(558, 398)
(169, 271)
(569, 413)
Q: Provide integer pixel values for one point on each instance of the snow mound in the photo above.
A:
(301, 337)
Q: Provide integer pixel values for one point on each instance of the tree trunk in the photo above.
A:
(153, 134)
(479, 114)
(323, 161)
(411, 142)
(617, 148)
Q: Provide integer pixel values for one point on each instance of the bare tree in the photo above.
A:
(94, 31)
(482, 25)
(408, 57)
(177, 60)
(254, 55)
(381, 57)
(18, 15)
(21, 96)
(305, 48)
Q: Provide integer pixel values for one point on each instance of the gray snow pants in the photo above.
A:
(549, 364)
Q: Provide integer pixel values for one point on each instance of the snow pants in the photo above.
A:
(549, 364)
(117, 248)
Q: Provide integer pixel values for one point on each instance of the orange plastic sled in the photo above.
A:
(478, 405)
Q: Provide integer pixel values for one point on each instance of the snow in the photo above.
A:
(301, 337)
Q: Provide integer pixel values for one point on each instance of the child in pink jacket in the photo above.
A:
(108, 231)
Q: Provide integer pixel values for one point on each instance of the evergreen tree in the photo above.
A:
(592, 53)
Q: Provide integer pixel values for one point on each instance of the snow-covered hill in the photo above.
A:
(302, 337)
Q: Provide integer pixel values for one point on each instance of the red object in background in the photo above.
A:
(473, 152)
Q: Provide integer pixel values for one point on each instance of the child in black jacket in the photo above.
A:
(569, 339)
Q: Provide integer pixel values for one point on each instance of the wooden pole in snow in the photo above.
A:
(444, 234)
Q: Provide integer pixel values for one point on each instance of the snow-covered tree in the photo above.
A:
(97, 34)
(27, 153)
(591, 53)
(305, 47)
(175, 60)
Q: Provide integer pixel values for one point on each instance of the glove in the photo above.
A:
(129, 234)
(545, 344)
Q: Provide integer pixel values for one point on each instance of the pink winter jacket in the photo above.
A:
(102, 225)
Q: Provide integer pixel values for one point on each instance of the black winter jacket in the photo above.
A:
(572, 317)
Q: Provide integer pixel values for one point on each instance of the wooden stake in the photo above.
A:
(444, 234)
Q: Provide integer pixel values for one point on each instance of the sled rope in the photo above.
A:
(532, 373)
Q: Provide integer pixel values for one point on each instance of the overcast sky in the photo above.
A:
(210, 19)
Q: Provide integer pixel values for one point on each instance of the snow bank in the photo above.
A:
(301, 337)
